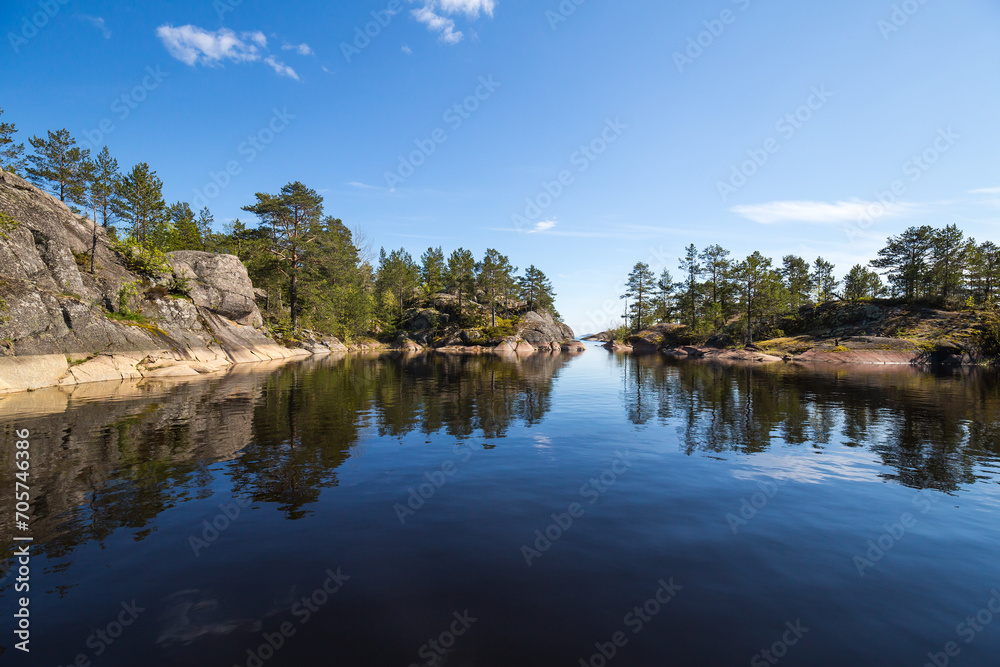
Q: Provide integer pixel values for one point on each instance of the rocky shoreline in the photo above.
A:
(849, 335)
(63, 325)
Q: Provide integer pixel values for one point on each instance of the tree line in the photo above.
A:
(716, 293)
(316, 273)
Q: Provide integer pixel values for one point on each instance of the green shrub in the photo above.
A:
(140, 259)
(7, 224)
(620, 334)
(503, 329)
(179, 286)
(988, 337)
(126, 293)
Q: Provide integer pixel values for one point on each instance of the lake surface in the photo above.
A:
(558, 510)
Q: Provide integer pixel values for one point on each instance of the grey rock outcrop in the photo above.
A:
(57, 321)
(541, 330)
(218, 282)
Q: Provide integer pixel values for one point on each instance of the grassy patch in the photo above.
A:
(7, 224)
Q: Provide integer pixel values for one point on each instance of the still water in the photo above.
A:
(590, 510)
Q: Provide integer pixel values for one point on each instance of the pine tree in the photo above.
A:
(756, 283)
(640, 287)
(11, 153)
(59, 163)
(461, 275)
(432, 270)
(823, 280)
(666, 307)
(535, 290)
(905, 258)
(692, 271)
(798, 280)
(984, 273)
(138, 201)
(398, 277)
(949, 254)
(718, 288)
(496, 279)
(184, 232)
(288, 216)
(205, 222)
(862, 283)
(103, 176)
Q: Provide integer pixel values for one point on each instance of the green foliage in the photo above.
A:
(82, 259)
(460, 276)
(620, 334)
(432, 270)
(396, 282)
(502, 329)
(11, 153)
(138, 201)
(862, 283)
(288, 217)
(640, 288)
(140, 259)
(126, 293)
(7, 224)
(988, 336)
(59, 164)
(823, 280)
(179, 286)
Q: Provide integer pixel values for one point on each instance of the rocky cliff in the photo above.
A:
(60, 325)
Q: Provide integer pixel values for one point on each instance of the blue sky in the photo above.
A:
(772, 126)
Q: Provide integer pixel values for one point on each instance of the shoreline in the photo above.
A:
(22, 374)
(846, 357)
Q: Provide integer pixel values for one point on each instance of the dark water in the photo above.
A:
(751, 501)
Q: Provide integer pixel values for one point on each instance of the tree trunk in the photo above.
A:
(293, 297)
(93, 250)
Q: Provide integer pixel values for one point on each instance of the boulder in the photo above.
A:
(524, 347)
(541, 329)
(505, 348)
(574, 347)
(219, 283)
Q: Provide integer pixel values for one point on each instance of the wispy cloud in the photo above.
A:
(543, 226)
(819, 212)
(434, 15)
(196, 46)
(470, 8)
(407, 50)
(98, 23)
(281, 68)
(985, 191)
(363, 186)
(302, 49)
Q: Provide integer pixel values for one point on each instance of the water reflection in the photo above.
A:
(929, 428)
(108, 458)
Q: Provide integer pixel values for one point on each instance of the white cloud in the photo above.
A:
(470, 8)
(281, 68)
(436, 23)
(432, 14)
(363, 186)
(985, 191)
(819, 212)
(98, 23)
(193, 46)
(407, 50)
(302, 49)
(543, 226)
